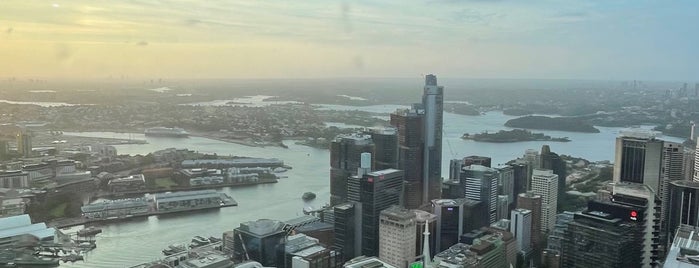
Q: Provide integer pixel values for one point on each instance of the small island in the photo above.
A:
(552, 123)
(515, 135)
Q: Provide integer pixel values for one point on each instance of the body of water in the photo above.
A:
(141, 240)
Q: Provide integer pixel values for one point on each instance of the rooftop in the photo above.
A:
(383, 172)
(262, 227)
(21, 225)
(684, 251)
(367, 262)
(398, 213)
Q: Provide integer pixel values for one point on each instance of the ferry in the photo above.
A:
(167, 132)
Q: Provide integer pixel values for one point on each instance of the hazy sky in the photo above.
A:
(606, 39)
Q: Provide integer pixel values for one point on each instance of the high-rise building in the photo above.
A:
(433, 103)
(695, 176)
(545, 184)
(688, 163)
(506, 185)
(531, 159)
(520, 227)
(455, 166)
(638, 158)
(477, 160)
(303, 251)
(24, 143)
(671, 170)
(503, 208)
(520, 178)
(450, 222)
(422, 218)
(386, 147)
(348, 230)
(481, 184)
(622, 231)
(409, 123)
(553, 247)
(397, 236)
(378, 190)
(552, 161)
(345, 159)
(532, 202)
(684, 203)
(262, 241)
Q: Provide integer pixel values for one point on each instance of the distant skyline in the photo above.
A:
(555, 39)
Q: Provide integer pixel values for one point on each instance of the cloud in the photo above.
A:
(142, 43)
(62, 52)
(9, 30)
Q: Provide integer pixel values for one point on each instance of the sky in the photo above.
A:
(549, 39)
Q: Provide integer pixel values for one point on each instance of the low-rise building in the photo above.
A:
(14, 179)
(12, 207)
(188, 200)
(14, 229)
(115, 208)
(129, 183)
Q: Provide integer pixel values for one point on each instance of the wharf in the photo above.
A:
(63, 223)
(179, 189)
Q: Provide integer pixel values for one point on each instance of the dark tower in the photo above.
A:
(433, 103)
(345, 156)
(410, 152)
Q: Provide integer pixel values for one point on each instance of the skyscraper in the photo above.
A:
(450, 222)
(622, 231)
(545, 184)
(261, 241)
(532, 202)
(638, 158)
(348, 229)
(481, 184)
(670, 170)
(397, 236)
(379, 190)
(520, 227)
(24, 143)
(552, 161)
(410, 152)
(433, 103)
(423, 218)
(345, 156)
(684, 203)
(506, 185)
(386, 147)
(503, 208)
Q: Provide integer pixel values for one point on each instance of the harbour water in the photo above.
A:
(140, 240)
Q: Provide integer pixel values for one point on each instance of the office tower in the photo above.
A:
(433, 103)
(450, 222)
(386, 147)
(638, 158)
(684, 203)
(423, 218)
(409, 123)
(4, 150)
(552, 161)
(531, 159)
(503, 208)
(506, 184)
(24, 143)
(261, 241)
(684, 247)
(545, 184)
(481, 184)
(348, 230)
(501, 230)
(455, 166)
(477, 160)
(532, 202)
(520, 178)
(452, 190)
(553, 247)
(520, 227)
(688, 163)
(345, 155)
(695, 176)
(397, 236)
(474, 215)
(670, 170)
(378, 190)
(619, 232)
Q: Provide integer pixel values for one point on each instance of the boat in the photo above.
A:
(174, 249)
(166, 132)
(89, 231)
(308, 196)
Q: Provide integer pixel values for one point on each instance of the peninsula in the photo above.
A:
(515, 135)
(552, 123)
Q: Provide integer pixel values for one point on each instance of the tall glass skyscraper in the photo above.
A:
(433, 103)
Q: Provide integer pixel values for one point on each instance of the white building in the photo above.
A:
(397, 236)
(520, 227)
(545, 184)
